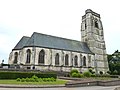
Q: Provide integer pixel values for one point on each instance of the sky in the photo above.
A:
(60, 18)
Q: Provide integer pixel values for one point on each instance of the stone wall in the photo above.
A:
(92, 83)
(49, 59)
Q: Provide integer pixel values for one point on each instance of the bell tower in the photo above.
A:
(92, 34)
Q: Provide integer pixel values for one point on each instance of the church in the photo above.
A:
(46, 52)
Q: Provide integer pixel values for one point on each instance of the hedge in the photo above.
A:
(15, 75)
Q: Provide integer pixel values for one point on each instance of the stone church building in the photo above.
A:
(46, 52)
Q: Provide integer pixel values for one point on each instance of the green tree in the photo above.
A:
(114, 62)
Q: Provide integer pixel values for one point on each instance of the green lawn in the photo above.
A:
(57, 82)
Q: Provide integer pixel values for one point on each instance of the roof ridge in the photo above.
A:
(26, 36)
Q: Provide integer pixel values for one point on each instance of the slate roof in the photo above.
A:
(53, 42)
(22, 43)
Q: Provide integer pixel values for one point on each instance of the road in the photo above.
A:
(64, 88)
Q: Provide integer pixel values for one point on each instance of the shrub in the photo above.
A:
(48, 79)
(27, 79)
(80, 75)
(75, 74)
(73, 71)
(15, 75)
(23, 80)
(53, 79)
(32, 79)
(40, 80)
(87, 74)
(44, 79)
(18, 79)
(35, 78)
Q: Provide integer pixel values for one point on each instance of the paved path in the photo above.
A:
(64, 88)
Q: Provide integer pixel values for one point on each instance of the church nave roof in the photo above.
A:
(53, 42)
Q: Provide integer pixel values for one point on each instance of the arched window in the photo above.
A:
(66, 59)
(57, 59)
(84, 61)
(96, 24)
(28, 56)
(15, 58)
(76, 60)
(41, 57)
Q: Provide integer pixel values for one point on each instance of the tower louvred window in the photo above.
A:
(96, 24)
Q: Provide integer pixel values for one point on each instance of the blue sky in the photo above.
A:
(55, 17)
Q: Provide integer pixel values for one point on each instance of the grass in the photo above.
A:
(57, 82)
